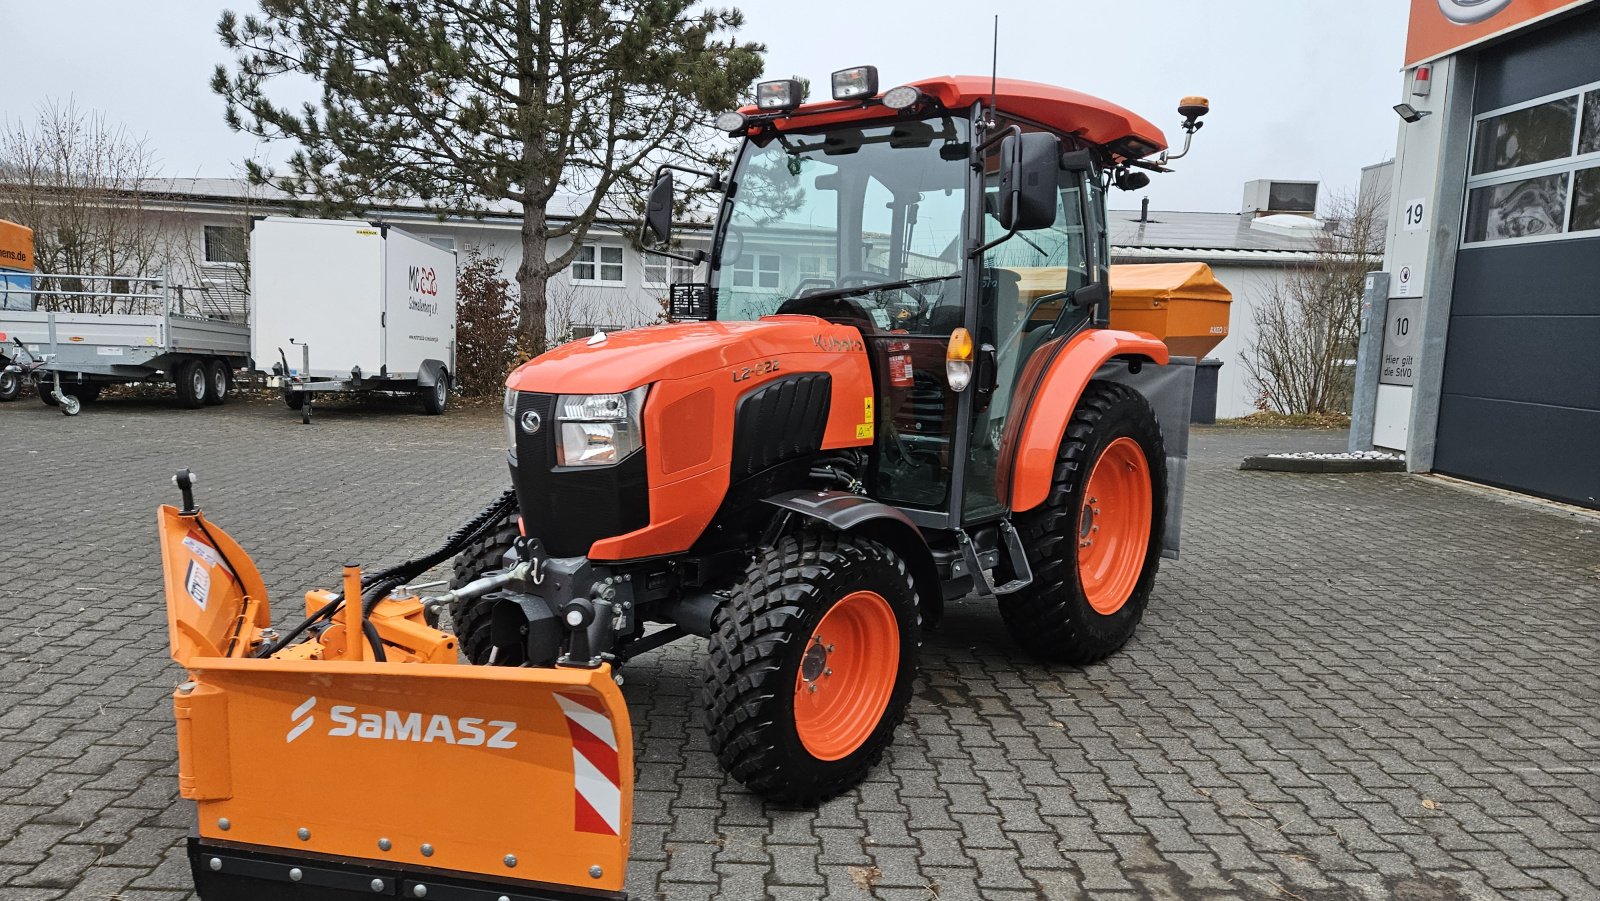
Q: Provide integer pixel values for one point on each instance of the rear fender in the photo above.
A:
(1047, 393)
(879, 522)
(430, 373)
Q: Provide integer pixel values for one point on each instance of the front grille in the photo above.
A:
(569, 508)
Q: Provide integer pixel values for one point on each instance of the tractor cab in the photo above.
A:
(958, 223)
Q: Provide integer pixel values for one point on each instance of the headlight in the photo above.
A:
(599, 429)
(510, 408)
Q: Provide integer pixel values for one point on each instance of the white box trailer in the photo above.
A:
(349, 305)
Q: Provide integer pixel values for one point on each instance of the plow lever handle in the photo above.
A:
(184, 479)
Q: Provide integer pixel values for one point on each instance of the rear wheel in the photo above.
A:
(1095, 543)
(436, 396)
(810, 665)
(190, 378)
(217, 379)
(470, 618)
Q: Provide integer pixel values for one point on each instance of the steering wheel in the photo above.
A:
(900, 312)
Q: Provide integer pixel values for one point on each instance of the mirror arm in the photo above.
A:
(977, 162)
(696, 258)
(716, 177)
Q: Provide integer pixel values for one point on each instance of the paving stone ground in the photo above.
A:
(1350, 687)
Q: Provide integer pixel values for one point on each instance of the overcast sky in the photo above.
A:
(1300, 89)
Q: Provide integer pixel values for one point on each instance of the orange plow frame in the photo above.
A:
(358, 778)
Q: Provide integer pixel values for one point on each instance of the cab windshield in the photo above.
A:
(863, 221)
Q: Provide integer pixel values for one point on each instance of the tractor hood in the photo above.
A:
(622, 361)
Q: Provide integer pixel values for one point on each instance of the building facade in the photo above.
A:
(612, 285)
(609, 285)
(1491, 315)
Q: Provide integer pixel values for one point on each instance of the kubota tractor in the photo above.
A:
(896, 384)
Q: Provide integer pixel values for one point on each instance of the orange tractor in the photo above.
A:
(897, 385)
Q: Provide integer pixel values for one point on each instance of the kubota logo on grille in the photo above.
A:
(394, 725)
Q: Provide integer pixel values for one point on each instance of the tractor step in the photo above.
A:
(983, 582)
(1019, 559)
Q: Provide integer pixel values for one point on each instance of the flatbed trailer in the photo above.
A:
(125, 329)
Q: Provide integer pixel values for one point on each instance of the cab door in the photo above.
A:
(1025, 291)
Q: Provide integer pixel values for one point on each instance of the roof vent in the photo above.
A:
(1293, 224)
(1264, 197)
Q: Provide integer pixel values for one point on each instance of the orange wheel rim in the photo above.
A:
(847, 672)
(1114, 526)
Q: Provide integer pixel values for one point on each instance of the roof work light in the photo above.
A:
(731, 122)
(901, 97)
(778, 95)
(854, 84)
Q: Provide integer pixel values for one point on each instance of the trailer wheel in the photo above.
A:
(294, 400)
(1095, 543)
(46, 392)
(217, 379)
(810, 665)
(436, 396)
(190, 378)
(85, 392)
(10, 385)
(470, 618)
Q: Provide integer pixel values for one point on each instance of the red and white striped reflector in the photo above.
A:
(596, 771)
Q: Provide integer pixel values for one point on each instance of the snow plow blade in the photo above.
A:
(318, 774)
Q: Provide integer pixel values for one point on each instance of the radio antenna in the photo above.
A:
(994, 69)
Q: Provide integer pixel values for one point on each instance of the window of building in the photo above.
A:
(580, 332)
(1535, 172)
(758, 270)
(226, 244)
(659, 272)
(443, 242)
(598, 264)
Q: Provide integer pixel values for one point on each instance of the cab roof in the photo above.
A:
(1098, 121)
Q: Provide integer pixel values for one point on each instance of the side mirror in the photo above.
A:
(1028, 185)
(1077, 161)
(1092, 294)
(658, 211)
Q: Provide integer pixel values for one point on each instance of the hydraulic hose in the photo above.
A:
(387, 580)
(377, 585)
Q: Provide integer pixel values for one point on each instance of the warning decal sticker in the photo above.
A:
(198, 584)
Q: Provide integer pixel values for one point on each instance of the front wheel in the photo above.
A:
(470, 617)
(1095, 543)
(810, 665)
(10, 385)
(190, 378)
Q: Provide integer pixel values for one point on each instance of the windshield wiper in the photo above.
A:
(839, 293)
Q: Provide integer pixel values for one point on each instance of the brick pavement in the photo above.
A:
(1351, 687)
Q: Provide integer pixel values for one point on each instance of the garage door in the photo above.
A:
(1521, 395)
